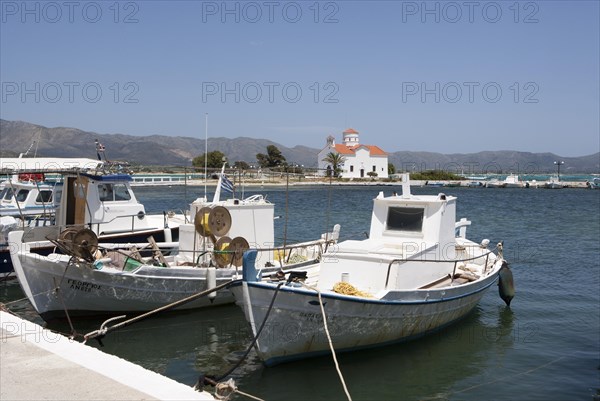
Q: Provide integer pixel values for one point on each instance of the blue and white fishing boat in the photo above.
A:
(413, 275)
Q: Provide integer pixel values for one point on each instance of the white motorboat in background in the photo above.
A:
(87, 194)
(553, 183)
(512, 181)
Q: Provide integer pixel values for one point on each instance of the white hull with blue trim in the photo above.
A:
(413, 273)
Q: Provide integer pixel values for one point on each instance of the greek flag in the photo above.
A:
(226, 185)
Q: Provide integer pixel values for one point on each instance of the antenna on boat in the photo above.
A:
(28, 149)
(37, 142)
(406, 185)
(100, 149)
(205, 153)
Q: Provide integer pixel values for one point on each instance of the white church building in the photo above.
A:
(359, 159)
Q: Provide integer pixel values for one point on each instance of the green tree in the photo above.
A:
(242, 165)
(273, 158)
(372, 174)
(335, 161)
(214, 160)
(391, 169)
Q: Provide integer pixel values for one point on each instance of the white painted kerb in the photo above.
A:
(17, 332)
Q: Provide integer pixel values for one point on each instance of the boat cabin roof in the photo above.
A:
(108, 177)
(13, 165)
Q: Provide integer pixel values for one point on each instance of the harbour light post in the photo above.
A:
(558, 163)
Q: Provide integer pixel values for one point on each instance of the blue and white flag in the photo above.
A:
(226, 184)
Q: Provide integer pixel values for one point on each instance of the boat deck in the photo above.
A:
(446, 281)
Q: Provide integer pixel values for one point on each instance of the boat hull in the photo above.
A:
(294, 329)
(52, 287)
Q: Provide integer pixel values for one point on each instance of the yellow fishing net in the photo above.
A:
(349, 289)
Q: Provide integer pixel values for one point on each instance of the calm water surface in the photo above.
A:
(546, 347)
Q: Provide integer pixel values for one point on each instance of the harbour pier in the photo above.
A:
(38, 364)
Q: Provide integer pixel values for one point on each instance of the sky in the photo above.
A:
(435, 76)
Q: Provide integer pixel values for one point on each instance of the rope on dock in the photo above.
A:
(337, 366)
(223, 390)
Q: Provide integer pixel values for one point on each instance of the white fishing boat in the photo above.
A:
(413, 275)
(553, 183)
(495, 183)
(512, 181)
(89, 196)
(89, 278)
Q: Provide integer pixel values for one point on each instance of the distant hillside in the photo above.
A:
(17, 136)
(502, 161)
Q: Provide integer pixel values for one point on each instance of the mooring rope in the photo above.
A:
(103, 329)
(255, 339)
(223, 390)
(335, 361)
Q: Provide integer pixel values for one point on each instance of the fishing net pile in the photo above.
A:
(349, 289)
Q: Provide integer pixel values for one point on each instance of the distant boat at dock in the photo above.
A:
(512, 181)
(553, 183)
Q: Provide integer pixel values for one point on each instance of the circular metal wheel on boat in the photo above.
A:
(201, 221)
(238, 246)
(223, 259)
(219, 221)
(66, 236)
(85, 244)
(65, 240)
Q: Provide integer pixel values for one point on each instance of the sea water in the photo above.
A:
(545, 347)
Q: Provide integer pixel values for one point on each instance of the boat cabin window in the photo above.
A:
(22, 195)
(121, 192)
(113, 192)
(405, 219)
(44, 196)
(8, 194)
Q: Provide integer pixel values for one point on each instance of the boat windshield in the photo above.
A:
(113, 192)
(405, 219)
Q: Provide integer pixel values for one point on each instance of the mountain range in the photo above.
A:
(161, 150)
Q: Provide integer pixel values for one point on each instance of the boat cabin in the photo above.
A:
(23, 196)
(409, 236)
(88, 195)
(104, 203)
